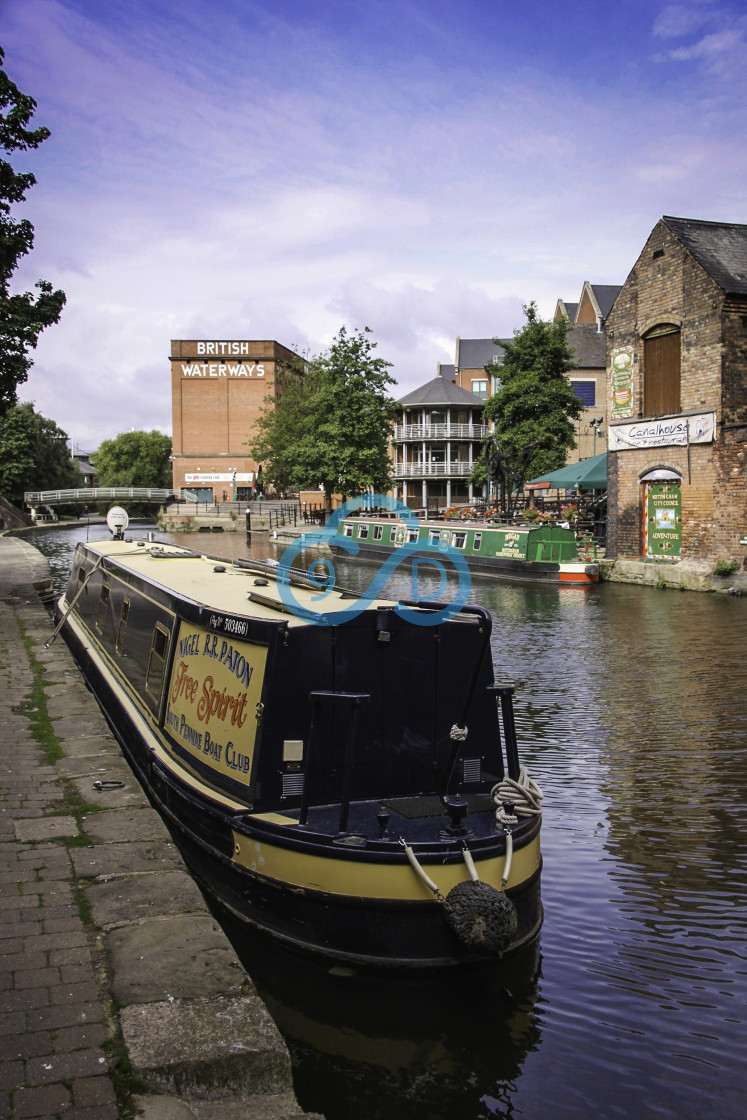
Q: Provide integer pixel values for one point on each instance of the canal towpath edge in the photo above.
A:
(121, 995)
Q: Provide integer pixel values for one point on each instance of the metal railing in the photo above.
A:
(98, 494)
(454, 469)
(440, 431)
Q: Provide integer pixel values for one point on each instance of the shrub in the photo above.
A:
(726, 567)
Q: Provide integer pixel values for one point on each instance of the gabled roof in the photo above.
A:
(719, 247)
(588, 345)
(605, 295)
(476, 353)
(441, 390)
(566, 310)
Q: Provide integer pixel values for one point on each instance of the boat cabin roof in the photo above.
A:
(234, 587)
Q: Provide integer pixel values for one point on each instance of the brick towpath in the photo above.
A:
(119, 994)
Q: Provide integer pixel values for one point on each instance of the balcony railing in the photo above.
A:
(440, 431)
(454, 469)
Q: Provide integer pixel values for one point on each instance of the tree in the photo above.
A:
(330, 424)
(33, 454)
(134, 459)
(534, 407)
(22, 317)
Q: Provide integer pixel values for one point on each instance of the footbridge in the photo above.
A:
(87, 494)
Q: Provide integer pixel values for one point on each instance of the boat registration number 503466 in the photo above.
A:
(213, 702)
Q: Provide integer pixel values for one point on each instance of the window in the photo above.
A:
(157, 664)
(392, 534)
(378, 532)
(459, 539)
(362, 532)
(586, 392)
(101, 610)
(661, 371)
(434, 536)
(480, 388)
(347, 530)
(412, 534)
(477, 542)
(122, 628)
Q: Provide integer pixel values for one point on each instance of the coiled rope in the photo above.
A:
(525, 796)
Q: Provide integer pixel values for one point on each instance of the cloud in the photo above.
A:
(279, 172)
(722, 51)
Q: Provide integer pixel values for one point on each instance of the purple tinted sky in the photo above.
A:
(276, 168)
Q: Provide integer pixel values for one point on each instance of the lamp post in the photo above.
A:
(596, 426)
(233, 484)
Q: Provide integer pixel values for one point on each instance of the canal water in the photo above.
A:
(631, 712)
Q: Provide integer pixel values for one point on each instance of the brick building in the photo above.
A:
(218, 389)
(587, 340)
(677, 357)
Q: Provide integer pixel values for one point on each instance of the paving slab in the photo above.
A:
(157, 895)
(210, 1046)
(143, 940)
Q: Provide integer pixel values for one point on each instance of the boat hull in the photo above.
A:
(521, 554)
(343, 894)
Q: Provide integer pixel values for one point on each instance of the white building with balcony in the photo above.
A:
(436, 440)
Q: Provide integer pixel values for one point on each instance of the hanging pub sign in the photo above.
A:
(662, 521)
(622, 382)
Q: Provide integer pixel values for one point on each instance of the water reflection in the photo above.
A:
(407, 1048)
(631, 713)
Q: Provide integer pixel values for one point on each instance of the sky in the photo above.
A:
(276, 169)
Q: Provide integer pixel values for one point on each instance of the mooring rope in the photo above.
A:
(525, 796)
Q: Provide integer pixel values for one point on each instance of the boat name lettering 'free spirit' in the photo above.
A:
(212, 702)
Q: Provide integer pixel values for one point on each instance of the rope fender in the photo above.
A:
(483, 918)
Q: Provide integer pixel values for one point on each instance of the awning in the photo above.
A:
(589, 474)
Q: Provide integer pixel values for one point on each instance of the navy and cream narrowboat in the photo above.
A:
(352, 790)
(545, 553)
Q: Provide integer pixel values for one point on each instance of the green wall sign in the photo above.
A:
(662, 521)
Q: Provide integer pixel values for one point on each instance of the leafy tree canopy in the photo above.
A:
(33, 454)
(134, 459)
(534, 406)
(330, 424)
(22, 316)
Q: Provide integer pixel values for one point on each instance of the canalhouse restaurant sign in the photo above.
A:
(671, 431)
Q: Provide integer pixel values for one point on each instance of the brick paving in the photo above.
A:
(54, 1018)
(66, 944)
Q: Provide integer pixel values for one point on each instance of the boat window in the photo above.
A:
(101, 610)
(157, 662)
(477, 542)
(459, 539)
(362, 532)
(412, 534)
(392, 533)
(378, 532)
(81, 573)
(434, 536)
(122, 628)
(347, 530)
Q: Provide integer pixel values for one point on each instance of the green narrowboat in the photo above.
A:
(530, 553)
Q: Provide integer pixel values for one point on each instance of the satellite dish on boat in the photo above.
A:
(117, 520)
